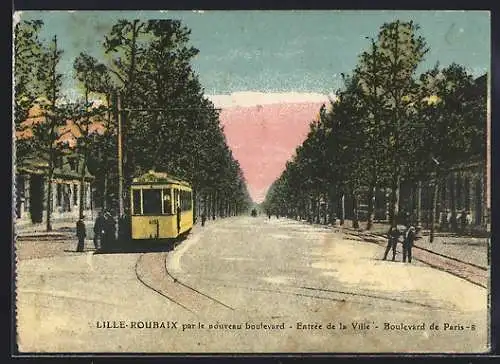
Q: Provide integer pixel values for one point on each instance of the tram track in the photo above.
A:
(151, 271)
(470, 272)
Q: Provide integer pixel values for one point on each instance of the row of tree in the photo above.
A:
(149, 94)
(385, 127)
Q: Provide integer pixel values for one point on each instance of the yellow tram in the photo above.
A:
(161, 207)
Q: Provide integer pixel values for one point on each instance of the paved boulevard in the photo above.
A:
(272, 285)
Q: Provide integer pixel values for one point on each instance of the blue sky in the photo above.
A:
(280, 51)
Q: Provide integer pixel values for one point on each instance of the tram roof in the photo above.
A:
(159, 177)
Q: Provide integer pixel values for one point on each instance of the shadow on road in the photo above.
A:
(144, 246)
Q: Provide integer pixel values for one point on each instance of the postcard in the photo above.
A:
(251, 181)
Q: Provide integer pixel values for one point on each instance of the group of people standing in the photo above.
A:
(104, 231)
(406, 234)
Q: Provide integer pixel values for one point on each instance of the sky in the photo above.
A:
(253, 58)
(280, 51)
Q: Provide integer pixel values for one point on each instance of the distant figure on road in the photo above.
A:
(81, 234)
(203, 219)
(392, 242)
(99, 229)
(410, 237)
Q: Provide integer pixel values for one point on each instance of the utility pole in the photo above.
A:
(120, 156)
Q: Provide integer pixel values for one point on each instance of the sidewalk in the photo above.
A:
(60, 229)
(465, 248)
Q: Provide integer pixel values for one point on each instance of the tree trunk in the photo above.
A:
(342, 209)
(453, 204)
(82, 184)
(104, 203)
(435, 194)
(371, 207)
(419, 206)
(394, 201)
(49, 196)
(355, 218)
(195, 205)
(318, 209)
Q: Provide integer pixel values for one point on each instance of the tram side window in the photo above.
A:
(151, 201)
(185, 200)
(167, 201)
(137, 202)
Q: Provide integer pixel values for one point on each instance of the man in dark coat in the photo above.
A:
(81, 234)
(203, 218)
(392, 242)
(410, 237)
(99, 229)
(109, 230)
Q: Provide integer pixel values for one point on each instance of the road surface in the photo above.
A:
(247, 284)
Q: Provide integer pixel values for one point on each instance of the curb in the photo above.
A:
(383, 238)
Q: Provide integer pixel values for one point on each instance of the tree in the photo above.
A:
(46, 133)
(27, 60)
(399, 52)
(94, 78)
(168, 124)
(451, 132)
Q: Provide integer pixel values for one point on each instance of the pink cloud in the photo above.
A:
(264, 137)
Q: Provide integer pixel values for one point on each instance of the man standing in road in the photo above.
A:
(392, 242)
(81, 234)
(410, 237)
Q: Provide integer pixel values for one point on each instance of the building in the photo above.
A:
(31, 186)
(31, 183)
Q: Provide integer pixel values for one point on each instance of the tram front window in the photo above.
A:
(151, 202)
(167, 202)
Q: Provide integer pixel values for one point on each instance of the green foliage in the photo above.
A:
(168, 124)
(386, 126)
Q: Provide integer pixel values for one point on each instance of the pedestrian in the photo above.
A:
(449, 218)
(203, 219)
(109, 230)
(469, 222)
(453, 221)
(408, 241)
(124, 232)
(392, 242)
(463, 222)
(98, 230)
(81, 234)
